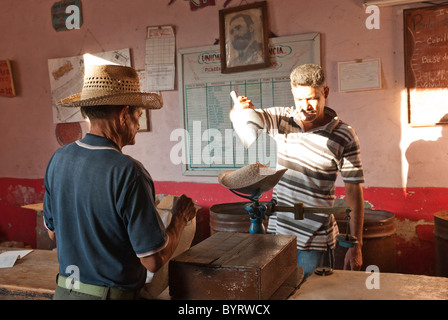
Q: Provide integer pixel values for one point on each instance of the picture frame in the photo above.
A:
(144, 121)
(244, 38)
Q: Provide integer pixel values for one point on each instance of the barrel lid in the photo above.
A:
(443, 215)
(441, 224)
(378, 215)
(377, 223)
(229, 210)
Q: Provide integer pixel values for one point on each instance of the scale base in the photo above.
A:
(323, 271)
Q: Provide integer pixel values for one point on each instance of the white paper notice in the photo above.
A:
(159, 59)
(359, 75)
(159, 77)
(8, 258)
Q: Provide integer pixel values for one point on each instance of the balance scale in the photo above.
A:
(259, 212)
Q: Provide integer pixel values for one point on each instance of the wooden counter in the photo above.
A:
(43, 241)
(351, 285)
(31, 277)
(34, 277)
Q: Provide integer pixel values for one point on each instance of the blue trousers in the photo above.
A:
(310, 260)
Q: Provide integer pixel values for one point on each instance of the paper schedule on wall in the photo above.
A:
(160, 58)
(211, 146)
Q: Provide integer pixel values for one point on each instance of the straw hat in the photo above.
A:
(251, 179)
(112, 85)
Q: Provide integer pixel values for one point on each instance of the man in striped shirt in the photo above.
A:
(314, 145)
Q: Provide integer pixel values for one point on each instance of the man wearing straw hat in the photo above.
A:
(99, 203)
(313, 144)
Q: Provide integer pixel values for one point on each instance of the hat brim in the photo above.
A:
(136, 99)
(257, 185)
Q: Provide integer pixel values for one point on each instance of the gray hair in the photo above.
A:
(103, 112)
(310, 75)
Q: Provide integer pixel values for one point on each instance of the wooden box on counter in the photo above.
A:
(233, 266)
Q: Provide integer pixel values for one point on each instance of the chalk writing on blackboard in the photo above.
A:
(426, 64)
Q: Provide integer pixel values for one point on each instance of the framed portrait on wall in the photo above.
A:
(244, 38)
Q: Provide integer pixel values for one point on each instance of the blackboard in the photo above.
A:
(426, 65)
(207, 143)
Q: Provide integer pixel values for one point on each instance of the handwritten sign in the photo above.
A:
(6, 80)
(426, 64)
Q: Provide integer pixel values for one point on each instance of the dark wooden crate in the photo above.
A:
(236, 266)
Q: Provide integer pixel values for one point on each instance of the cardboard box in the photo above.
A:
(233, 266)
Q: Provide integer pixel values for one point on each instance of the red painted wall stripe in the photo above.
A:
(413, 204)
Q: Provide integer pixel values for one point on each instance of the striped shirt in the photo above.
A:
(313, 159)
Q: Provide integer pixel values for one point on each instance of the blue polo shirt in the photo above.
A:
(100, 204)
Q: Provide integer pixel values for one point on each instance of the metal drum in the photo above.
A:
(441, 242)
(378, 241)
(230, 217)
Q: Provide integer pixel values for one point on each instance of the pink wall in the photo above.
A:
(405, 167)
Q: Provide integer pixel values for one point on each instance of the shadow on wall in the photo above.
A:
(426, 162)
(427, 165)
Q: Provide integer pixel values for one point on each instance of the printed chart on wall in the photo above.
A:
(67, 76)
(210, 145)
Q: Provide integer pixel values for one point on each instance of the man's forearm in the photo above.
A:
(158, 259)
(248, 124)
(355, 200)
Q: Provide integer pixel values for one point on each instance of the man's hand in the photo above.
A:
(184, 209)
(353, 258)
(51, 235)
(243, 103)
(355, 200)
